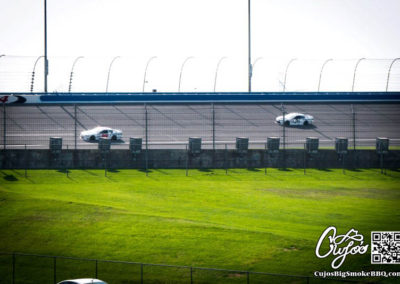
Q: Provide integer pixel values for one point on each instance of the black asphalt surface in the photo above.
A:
(170, 125)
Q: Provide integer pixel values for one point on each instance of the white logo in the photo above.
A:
(341, 245)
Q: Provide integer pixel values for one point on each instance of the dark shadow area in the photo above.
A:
(113, 170)
(309, 126)
(112, 141)
(162, 172)
(394, 170)
(205, 170)
(325, 170)
(64, 171)
(354, 170)
(285, 170)
(17, 173)
(92, 174)
(10, 178)
(253, 170)
(143, 170)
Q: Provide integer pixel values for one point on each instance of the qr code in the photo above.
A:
(385, 247)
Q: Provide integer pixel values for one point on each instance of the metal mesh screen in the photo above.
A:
(330, 121)
(129, 119)
(170, 126)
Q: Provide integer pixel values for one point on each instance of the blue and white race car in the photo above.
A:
(295, 118)
(101, 132)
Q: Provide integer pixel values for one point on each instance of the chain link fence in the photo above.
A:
(169, 126)
(31, 268)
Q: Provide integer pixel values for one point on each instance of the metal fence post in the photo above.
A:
(284, 136)
(13, 268)
(248, 277)
(187, 159)
(191, 275)
(75, 127)
(354, 136)
(4, 126)
(55, 269)
(26, 162)
(147, 139)
(66, 166)
(305, 159)
(96, 276)
(354, 126)
(141, 273)
(266, 159)
(226, 159)
(213, 126)
(284, 128)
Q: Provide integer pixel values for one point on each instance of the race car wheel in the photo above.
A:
(305, 123)
(92, 138)
(114, 138)
(287, 123)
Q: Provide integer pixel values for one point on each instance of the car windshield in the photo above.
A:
(99, 128)
(291, 115)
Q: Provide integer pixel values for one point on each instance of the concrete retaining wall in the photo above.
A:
(44, 159)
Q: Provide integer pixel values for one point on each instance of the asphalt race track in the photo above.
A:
(170, 125)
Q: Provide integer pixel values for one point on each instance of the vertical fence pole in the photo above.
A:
(284, 128)
(305, 159)
(13, 268)
(147, 139)
(266, 159)
(55, 269)
(75, 127)
(213, 126)
(226, 159)
(4, 126)
(354, 136)
(96, 276)
(105, 164)
(191, 275)
(354, 127)
(26, 162)
(284, 136)
(187, 160)
(141, 273)
(66, 165)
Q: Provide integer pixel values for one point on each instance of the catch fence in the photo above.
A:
(32, 268)
(169, 126)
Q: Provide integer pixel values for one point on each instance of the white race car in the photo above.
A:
(295, 118)
(99, 131)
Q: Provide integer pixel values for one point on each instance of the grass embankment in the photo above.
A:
(244, 220)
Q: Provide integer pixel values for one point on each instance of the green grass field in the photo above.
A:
(245, 220)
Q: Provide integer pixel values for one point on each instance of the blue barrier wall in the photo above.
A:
(239, 97)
